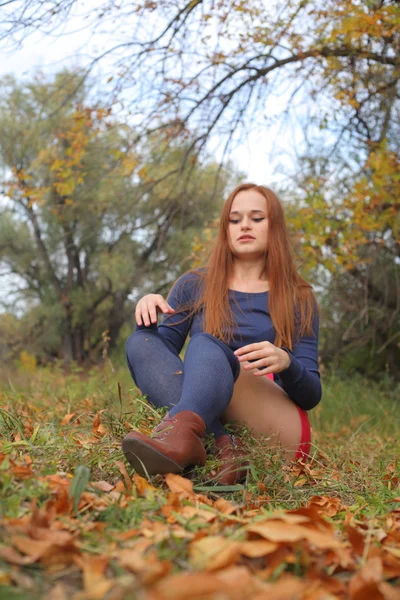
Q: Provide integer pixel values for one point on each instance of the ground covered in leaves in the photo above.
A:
(76, 522)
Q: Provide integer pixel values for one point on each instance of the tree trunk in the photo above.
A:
(68, 347)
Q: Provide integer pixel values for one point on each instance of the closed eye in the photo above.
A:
(255, 219)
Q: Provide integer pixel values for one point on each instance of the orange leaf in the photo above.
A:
(97, 427)
(142, 485)
(224, 506)
(212, 553)
(15, 558)
(279, 531)
(102, 485)
(176, 483)
(93, 567)
(124, 472)
(364, 583)
(356, 539)
(325, 505)
(257, 548)
(67, 418)
(33, 548)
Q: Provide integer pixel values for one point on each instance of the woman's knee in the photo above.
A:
(137, 346)
(208, 342)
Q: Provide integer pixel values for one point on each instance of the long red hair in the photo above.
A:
(291, 301)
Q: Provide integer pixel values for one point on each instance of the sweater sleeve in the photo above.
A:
(301, 380)
(175, 328)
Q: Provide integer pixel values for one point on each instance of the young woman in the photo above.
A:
(252, 357)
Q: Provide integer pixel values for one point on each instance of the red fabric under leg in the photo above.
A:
(305, 440)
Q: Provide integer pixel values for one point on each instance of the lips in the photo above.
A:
(246, 237)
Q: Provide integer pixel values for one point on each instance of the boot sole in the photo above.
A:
(146, 460)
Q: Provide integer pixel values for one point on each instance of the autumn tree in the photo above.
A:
(89, 218)
(218, 67)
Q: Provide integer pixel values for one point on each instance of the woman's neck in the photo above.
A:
(249, 276)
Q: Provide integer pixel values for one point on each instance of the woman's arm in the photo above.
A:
(175, 328)
(301, 380)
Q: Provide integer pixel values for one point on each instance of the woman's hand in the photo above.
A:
(271, 359)
(148, 307)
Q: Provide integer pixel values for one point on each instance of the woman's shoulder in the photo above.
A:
(188, 284)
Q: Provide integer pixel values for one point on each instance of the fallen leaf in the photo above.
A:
(257, 548)
(104, 486)
(142, 485)
(15, 558)
(364, 583)
(93, 567)
(150, 569)
(179, 484)
(125, 475)
(356, 539)
(212, 553)
(67, 418)
(224, 506)
(279, 531)
(326, 505)
(183, 586)
(97, 427)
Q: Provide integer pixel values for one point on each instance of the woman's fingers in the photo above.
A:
(258, 364)
(138, 315)
(152, 308)
(265, 371)
(148, 307)
(166, 308)
(143, 313)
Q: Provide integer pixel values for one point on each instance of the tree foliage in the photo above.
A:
(217, 68)
(89, 218)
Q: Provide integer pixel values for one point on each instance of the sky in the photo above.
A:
(264, 153)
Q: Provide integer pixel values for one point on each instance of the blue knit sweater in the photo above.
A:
(301, 380)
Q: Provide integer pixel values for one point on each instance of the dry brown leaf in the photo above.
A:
(212, 553)
(394, 551)
(179, 484)
(326, 505)
(356, 539)
(97, 427)
(67, 418)
(104, 486)
(279, 531)
(257, 548)
(150, 569)
(292, 519)
(21, 471)
(33, 548)
(191, 512)
(61, 502)
(364, 583)
(287, 588)
(15, 558)
(224, 506)
(125, 475)
(93, 567)
(184, 586)
(388, 592)
(142, 485)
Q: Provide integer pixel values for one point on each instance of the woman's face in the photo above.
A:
(248, 224)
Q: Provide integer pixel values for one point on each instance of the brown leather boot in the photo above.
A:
(174, 444)
(229, 450)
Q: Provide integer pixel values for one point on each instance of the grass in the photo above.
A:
(356, 433)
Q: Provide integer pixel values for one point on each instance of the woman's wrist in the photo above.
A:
(288, 359)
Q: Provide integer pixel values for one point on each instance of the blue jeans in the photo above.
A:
(203, 382)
